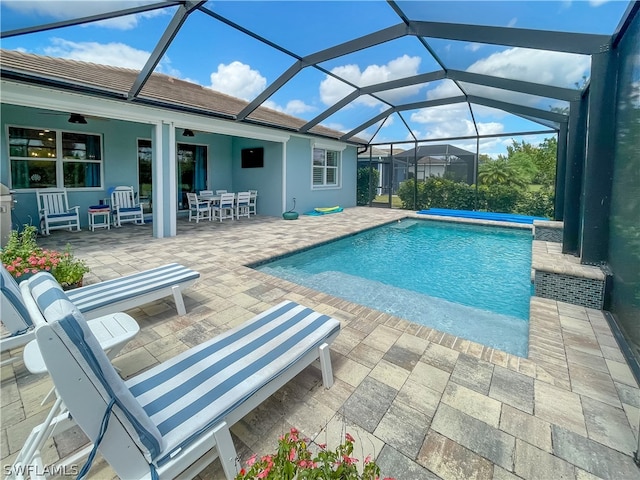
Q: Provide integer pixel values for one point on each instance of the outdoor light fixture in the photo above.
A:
(188, 133)
(77, 118)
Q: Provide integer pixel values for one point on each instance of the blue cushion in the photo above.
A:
(98, 295)
(15, 315)
(196, 389)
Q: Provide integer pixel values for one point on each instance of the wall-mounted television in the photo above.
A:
(252, 157)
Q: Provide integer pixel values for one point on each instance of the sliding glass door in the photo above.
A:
(192, 171)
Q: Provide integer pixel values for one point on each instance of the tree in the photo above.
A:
(366, 186)
(500, 172)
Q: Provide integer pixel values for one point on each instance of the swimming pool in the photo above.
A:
(467, 280)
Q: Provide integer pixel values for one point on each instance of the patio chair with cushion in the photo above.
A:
(174, 418)
(242, 204)
(198, 209)
(253, 202)
(124, 207)
(112, 331)
(54, 210)
(226, 206)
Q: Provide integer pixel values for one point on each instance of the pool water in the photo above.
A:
(470, 281)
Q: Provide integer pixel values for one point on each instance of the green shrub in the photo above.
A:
(366, 186)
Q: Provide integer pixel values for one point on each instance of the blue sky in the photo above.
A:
(214, 55)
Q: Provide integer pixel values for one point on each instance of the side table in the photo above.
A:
(99, 217)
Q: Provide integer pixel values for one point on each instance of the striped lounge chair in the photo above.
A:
(94, 300)
(166, 421)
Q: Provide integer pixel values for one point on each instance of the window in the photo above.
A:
(192, 171)
(49, 158)
(326, 168)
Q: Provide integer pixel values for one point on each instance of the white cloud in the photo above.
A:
(115, 54)
(550, 68)
(333, 90)
(597, 3)
(293, 107)
(473, 47)
(238, 80)
(65, 9)
(512, 22)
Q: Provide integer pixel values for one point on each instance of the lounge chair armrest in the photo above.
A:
(76, 208)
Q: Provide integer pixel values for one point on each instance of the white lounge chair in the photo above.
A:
(112, 331)
(54, 210)
(95, 300)
(124, 207)
(174, 419)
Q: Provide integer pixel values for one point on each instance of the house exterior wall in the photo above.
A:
(276, 185)
(119, 148)
(299, 178)
(267, 180)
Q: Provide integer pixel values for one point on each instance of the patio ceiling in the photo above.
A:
(406, 26)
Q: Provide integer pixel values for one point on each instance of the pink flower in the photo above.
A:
(322, 445)
(252, 460)
(292, 454)
(349, 460)
(367, 460)
(348, 437)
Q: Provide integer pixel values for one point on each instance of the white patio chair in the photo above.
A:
(225, 208)
(253, 202)
(173, 419)
(242, 204)
(220, 192)
(54, 211)
(112, 331)
(124, 207)
(198, 209)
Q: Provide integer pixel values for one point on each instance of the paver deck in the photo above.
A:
(427, 404)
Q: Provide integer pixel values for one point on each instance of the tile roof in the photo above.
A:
(167, 91)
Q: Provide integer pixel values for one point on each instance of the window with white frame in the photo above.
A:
(53, 158)
(326, 168)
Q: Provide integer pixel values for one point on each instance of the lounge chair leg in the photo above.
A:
(325, 365)
(226, 450)
(177, 296)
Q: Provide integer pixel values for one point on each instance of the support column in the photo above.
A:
(561, 172)
(598, 171)
(165, 205)
(576, 141)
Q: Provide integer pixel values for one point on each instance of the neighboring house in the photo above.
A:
(432, 161)
(380, 160)
(438, 160)
(165, 143)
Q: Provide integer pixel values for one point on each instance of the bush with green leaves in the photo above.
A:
(366, 185)
(23, 257)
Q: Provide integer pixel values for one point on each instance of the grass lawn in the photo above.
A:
(395, 200)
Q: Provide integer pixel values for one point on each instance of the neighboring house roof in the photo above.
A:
(377, 153)
(441, 150)
(160, 90)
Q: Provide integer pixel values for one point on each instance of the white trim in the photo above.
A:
(284, 177)
(156, 176)
(52, 99)
(173, 180)
(328, 145)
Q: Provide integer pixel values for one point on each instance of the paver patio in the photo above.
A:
(428, 404)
